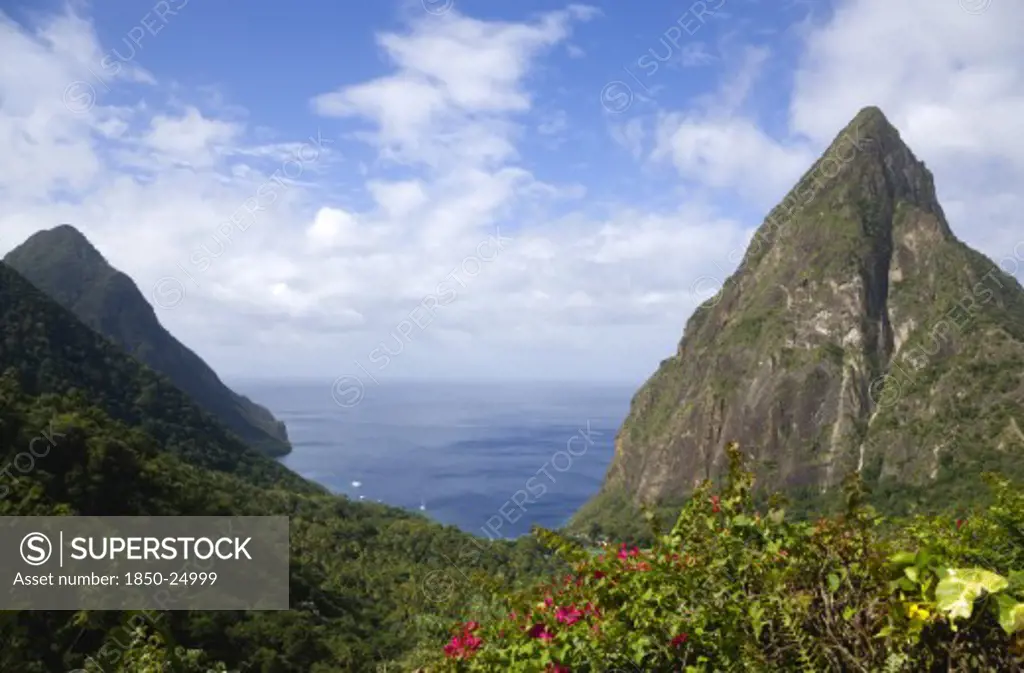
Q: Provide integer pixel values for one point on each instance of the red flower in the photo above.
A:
(568, 615)
(643, 566)
(598, 574)
(715, 506)
(557, 668)
(679, 640)
(959, 522)
(540, 631)
(463, 646)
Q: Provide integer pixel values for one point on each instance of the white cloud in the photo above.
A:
(949, 80)
(191, 138)
(339, 254)
(398, 199)
(716, 144)
(157, 186)
(730, 153)
(333, 227)
(456, 81)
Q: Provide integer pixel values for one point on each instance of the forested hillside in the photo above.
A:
(368, 582)
(64, 264)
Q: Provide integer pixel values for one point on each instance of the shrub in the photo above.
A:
(730, 588)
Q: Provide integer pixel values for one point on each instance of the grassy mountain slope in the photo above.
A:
(64, 264)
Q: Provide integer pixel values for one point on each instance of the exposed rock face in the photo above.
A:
(64, 264)
(856, 334)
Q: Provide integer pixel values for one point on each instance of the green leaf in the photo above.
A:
(903, 558)
(956, 593)
(756, 612)
(906, 585)
(742, 520)
(1011, 615)
(911, 573)
(833, 582)
(848, 612)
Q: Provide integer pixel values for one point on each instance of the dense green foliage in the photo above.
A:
(63, 263)
(368, 582)
(52, 352)
(731, 588)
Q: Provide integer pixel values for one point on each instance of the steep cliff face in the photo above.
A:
(856, 333)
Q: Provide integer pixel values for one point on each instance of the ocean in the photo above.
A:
(492, 459)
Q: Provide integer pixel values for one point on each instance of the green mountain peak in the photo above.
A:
(65, 265)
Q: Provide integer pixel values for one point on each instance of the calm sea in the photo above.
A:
(459, 453)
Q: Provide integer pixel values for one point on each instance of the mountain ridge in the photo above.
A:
(65, 265)
(794, 355)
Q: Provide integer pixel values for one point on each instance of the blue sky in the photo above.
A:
(593, 169)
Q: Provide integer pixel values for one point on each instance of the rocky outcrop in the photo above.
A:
(858, 333)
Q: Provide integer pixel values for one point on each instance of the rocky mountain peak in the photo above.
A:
(65, 238)
(794, 357)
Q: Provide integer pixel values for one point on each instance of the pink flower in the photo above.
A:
(540, 631)
(464, 645)
(557, 668)
(568, 615)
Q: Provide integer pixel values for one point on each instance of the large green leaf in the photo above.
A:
(1011, 615)
(957, 591)
(903, 558)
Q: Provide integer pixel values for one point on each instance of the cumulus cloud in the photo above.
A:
(949, 79)
(304, 254)
(171, 190)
